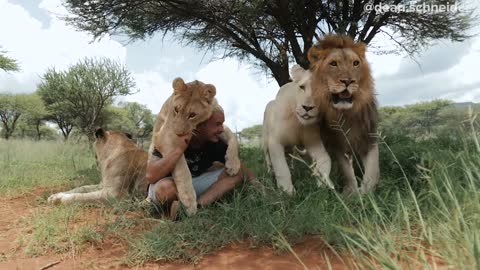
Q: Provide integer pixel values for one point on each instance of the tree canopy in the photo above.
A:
(11, 108)
(78, 96)
(7, 63)
(131, 117)
(274, 33)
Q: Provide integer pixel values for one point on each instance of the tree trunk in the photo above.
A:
(281, 74)
(37, 126)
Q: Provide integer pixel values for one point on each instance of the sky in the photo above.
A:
(33, 34)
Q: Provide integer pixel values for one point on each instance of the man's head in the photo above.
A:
(212, 128)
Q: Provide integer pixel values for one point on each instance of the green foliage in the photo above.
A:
(11, 108)
(7, 63)
(32, 123)
(273, 33)
(422, 120)
(78, 96)
(130, 117)
(251, 133)
(427, 204)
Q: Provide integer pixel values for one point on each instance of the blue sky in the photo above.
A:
(32, 33)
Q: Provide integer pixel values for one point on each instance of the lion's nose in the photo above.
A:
(347, 82)
(307, 108)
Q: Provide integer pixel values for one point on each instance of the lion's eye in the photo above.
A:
(192, 115)
(333, 63)
(356, 63)
(302, 87)
(175, 109)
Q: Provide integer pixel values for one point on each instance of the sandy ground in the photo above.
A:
(110, 253)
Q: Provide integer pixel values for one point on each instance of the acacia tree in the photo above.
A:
(36, 114)
(11, 108)
(78, 96)
(273, 32)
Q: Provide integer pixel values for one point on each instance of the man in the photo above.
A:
(201, 151)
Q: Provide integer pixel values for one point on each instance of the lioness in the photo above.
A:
(291, 119)
(122, 164)
(190, 104)
(343, 87)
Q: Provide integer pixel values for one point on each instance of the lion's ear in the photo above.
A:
(316, 54)
(99, 133)
(297, 73)
(179, 86)
(209, 92)
(360, 48)
(129, 136)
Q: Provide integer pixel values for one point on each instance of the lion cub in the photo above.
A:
(122, 164)
(292, 119)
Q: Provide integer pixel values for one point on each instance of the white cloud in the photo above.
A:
(242, 95)
(153, 90)
(38, 48)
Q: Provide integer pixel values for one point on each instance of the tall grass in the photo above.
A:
(28, 164)
(425, 212)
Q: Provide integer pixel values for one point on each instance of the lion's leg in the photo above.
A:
(372, 169)
(265, 146)
(232, 164)
(323, 163)
(95, 196)
(280, 167)
(54, 198)
(350, 184)
(84, 189)
(183, 181)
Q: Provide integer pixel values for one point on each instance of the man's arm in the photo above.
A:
(160, 168)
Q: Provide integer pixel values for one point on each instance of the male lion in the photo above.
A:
(190, 104)
(122, 165)
(344, 91)
(291, 119)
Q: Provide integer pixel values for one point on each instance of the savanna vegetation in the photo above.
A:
(424, 214)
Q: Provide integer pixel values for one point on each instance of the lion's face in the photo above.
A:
(306, 110)
(341, 72)
(192, 104)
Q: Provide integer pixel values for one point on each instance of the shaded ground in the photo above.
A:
(111, 252)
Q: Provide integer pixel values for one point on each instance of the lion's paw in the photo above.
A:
(232, 166)
(55, 198)
(59, 198)
(190, 207)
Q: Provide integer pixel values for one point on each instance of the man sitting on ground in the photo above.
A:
(201, 150)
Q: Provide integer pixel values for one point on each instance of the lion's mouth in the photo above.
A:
(344, 96)
(305, 116)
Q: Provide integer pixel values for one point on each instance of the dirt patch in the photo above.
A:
(111, 252)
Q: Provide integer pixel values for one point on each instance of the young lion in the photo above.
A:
(344, 91)
(122, 165)
(191, 104)
(291, 119)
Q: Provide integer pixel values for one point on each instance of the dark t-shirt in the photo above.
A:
(200, 159)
